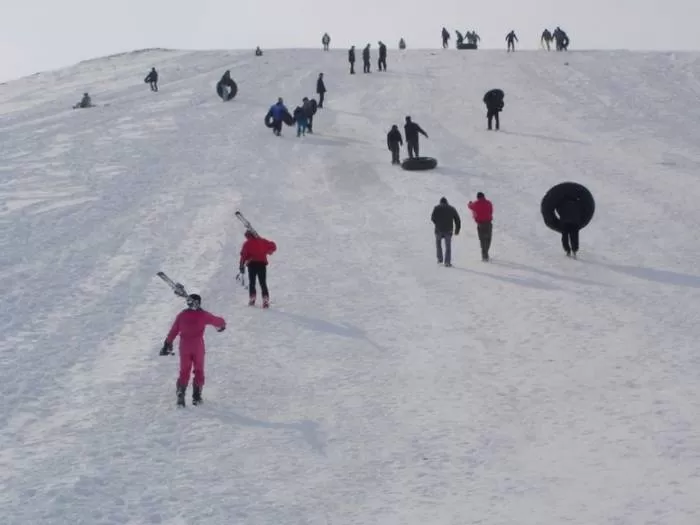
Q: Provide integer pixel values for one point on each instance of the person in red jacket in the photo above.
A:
(254, 255)
(482, 211)
(190, 325)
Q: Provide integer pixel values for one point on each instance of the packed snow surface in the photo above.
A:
(380, 388)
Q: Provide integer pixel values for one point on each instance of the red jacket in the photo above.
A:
(256, 249)
(482, 210)
(190, 325)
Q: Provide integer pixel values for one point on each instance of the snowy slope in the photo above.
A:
(380, 388)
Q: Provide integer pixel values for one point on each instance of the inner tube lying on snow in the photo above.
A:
(466, 46)
(562, 192)
(419, 163)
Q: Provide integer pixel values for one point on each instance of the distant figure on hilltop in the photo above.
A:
(326, 41)
(351, 59)
(258, 52)
(445, 38)
(562, 39)
(511, 39)
(85, 102)
(473, 37)
(402, 43)
(460, 39)
(381, 62)
(366, 65)
(546, 39)
(320, 90)
(494, 105)
(152, 79)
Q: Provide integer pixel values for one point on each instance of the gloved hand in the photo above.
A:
(241, 269)
(167, 349)
(221, 329)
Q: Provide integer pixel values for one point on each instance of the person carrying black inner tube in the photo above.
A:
(152, 79)
(394, 141)
(446, 220)
(277, 112)
(494, 105)
(570, 215)
(411, 131)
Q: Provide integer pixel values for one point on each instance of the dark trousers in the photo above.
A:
(366, 66)
(154, 86)
(310, 124)
(511, 45)
(352, 68)
(394, 148)
(381, 64)
(447, 236)
(569, 237)
(492, 114)
(412, 148)
(277, 127)
(321, 96)
(257, 270)
(485, 231)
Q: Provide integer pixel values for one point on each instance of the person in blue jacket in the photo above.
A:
(278, 111)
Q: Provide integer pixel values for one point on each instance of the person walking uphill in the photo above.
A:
(320, 90)
(394, 141)
(190, 325)
(254, 255)
(278, 111)
(482, 211)
(494, 105)
(152, 79)
(446, 221)
(411, 131)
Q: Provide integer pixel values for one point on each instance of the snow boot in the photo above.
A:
(180, 391)
(251, 300)
(266, 302)
(196, 395)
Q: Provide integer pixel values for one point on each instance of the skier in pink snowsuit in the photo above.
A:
(190, 325)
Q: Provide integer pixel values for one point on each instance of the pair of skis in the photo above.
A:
(179, 289)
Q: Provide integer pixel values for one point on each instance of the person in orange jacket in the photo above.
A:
(254, 254)
(482, 211)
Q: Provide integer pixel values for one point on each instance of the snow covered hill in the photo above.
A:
(380, 388)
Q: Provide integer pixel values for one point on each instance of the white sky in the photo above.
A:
(36, 35)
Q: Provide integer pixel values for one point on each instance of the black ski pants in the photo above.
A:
(569, 237)
(485, 231)
(366, 66)
(381, 64)
(277, 127)
(257, 270)
(394, 148)
(321, 97)
(154, 86)
(412, 148)
(352, 68)
(491, 115)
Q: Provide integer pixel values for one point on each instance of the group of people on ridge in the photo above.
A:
(366, 58)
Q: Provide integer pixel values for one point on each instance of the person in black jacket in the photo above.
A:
(366, 65)
(445, 38)
(152, 79)
(511, 39)
(320, 89)
(569, 211)
(445, 218)
(381, 63)
(394, 143)
(411, 130)
(351, 59)
(494, 105)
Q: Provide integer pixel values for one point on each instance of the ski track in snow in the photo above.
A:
(380, 388)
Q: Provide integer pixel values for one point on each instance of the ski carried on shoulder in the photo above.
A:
(178, 288)
(246, 223)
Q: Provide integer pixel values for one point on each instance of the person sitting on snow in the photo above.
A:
(86, 102)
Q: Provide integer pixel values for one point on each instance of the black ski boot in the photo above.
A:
(181, 390)
(196, 395)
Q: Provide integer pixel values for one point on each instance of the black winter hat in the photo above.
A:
(480, 195)
(443, 200)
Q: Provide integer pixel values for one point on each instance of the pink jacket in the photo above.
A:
(190, 325)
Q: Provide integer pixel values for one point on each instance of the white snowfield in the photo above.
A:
(380, 388)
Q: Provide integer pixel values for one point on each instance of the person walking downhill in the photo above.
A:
(446, 221)
(190, 325)
(254, 255)
(482, 211)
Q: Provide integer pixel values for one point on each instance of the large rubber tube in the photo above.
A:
(419, 164)
(226, 90)
(562, 192)
(268, 119)
(286, 118)
(233, 90)
(466, 46)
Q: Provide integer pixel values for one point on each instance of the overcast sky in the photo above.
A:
(37, 35)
